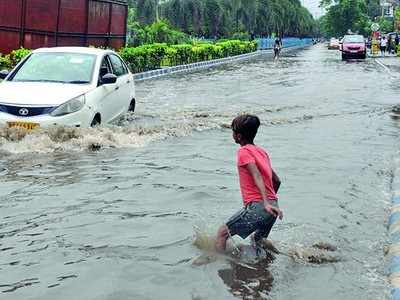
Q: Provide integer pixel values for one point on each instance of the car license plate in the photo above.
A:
(25, 125)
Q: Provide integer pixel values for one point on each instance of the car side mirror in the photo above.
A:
(4, 74)
(109, 79)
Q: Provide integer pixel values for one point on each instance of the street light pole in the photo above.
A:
(157, 14)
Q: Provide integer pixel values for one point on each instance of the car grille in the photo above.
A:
(25, 111)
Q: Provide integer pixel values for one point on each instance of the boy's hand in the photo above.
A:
(274, 211)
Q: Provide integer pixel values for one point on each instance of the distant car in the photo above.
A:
(353, 46)
(333, 44)
(67, 86)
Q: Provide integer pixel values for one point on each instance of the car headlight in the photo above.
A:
(69, 107)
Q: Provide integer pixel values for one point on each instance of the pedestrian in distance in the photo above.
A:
(277, 48)
(259, 185)
(389, 46)
(383, 45)
(393, 46)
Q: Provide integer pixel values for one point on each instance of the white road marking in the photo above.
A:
(386, 68)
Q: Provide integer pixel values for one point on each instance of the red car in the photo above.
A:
(353, 46)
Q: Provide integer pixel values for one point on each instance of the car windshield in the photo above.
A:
(353, 39)
(74, 68)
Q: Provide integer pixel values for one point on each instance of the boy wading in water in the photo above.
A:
(259, 185)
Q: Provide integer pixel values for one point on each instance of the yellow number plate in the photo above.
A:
(26, 125)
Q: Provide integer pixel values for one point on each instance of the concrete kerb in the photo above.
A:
(394, 233)
(205, 64)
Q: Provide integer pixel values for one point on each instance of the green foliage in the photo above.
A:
(385, 25)
(345, 15)
(354, 15)
(17, 55)
(161, 32)
(153, 56)
(158, 32)
(145, 57)
(224, 18)
(5, 62)
(397, 19)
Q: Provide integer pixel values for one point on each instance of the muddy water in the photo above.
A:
(111, 213)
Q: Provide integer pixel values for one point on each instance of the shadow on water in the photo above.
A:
(247, 281)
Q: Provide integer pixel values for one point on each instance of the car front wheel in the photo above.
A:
(132, 106)
(96, 121)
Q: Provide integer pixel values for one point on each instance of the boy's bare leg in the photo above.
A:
(222, 236)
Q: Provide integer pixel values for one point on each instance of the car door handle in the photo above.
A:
(128, 81)
(117, 88)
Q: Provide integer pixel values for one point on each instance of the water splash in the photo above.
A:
(318, 253)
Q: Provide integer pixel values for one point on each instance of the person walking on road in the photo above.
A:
(259, 185)
(383, 45)
(277, 48)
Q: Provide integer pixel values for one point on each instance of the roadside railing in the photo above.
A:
(268, 43)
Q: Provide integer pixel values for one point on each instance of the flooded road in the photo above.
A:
(111, 213)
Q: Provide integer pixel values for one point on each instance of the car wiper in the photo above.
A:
(79, 81)
(37, 80)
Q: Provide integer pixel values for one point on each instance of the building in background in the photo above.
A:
(388, 7)
(46, 23)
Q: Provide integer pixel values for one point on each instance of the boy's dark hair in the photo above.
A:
(247, 126)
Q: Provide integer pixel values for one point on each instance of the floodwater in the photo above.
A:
(112, 213)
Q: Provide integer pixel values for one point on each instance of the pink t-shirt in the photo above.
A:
(254, 154)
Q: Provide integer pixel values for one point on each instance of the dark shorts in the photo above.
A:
(252, 218)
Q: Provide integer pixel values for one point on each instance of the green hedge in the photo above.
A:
(154, 56)
(5, 62)
(12, 59)
(150, 57)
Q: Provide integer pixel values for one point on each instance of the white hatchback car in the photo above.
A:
(67, 86)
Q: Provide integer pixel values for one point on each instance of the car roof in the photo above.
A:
(81, 50)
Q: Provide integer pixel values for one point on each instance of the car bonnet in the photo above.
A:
(40, 93)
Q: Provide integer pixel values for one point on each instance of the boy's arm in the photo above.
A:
(276, 182)
(255, 173)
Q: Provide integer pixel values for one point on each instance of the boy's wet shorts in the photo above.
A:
(252, 218)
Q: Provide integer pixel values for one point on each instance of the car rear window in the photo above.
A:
(353, 39)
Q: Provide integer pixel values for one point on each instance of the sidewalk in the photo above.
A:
(392, 62)
(394, 233)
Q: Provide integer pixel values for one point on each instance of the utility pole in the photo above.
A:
(157, 13)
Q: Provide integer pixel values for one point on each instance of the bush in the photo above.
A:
(144, 58)
(17, 55)
(153, 56)
(5, 62)
(158, 32)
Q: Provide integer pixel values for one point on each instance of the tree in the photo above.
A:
(223, 18)
(345, 15)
